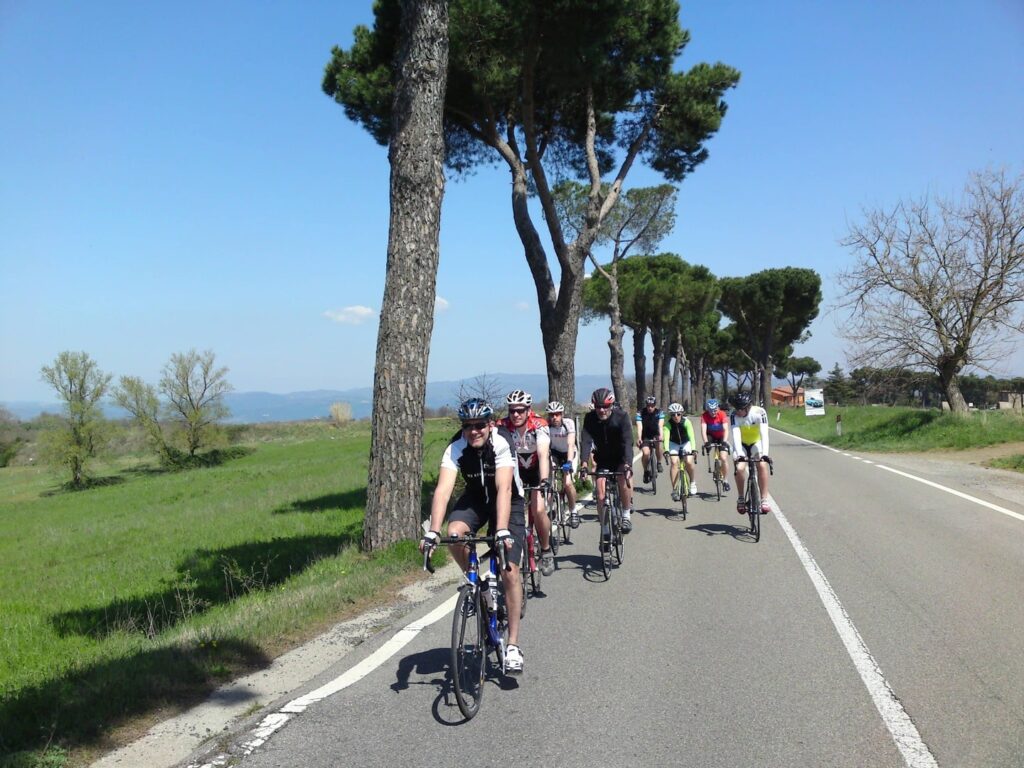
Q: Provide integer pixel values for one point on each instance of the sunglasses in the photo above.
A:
(602, 407)
(518, 410)
(475, 426)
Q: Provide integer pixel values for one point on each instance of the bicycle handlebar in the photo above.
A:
(712, 444)
(766, 459)
(467, 539)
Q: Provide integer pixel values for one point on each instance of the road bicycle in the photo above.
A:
(715, 469)
(531, 554)
(479, 624)
(754, 493)
(556, 508)
(613, 518)
(653, 461)
(683, 481)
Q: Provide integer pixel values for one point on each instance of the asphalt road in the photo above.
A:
(707, 649)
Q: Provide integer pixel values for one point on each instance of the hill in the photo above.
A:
(258, 407)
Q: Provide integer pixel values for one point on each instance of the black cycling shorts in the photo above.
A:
(469, 511)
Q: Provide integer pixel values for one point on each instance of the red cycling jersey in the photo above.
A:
(716, 425)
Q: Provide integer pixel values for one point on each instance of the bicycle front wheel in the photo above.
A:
(754, 510)
(718, 478)
(617, 537)
(469, 651)
(554, 517)
(684, 490)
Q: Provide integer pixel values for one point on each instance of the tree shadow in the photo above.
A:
(331, 502)
(79, 707)
(86, 485)
(206, 578)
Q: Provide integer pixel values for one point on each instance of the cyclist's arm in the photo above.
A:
(503, 503)
(544, 453)
(570, 439)
(703, 432)
(737, 440)
(665, 431)
(627, 442)
(764, 433)
(689, 432)
(442, 494)
(586, 445)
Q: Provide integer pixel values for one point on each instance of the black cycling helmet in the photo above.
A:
(602, 397)
(742, 399)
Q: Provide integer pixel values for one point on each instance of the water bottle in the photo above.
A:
(491, 591)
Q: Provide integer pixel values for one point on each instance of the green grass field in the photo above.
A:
(148, 590)
(902, 429)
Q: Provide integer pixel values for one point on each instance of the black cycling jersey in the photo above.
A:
(650, 421)
(477, 465)
(677, 432)
(611, 439)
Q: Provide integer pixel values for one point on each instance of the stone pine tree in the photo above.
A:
(416, 153)
(772, 310)
(553, 90)
(639, 222)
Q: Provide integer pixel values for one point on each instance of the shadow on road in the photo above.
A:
(432, 667)
(740, 533)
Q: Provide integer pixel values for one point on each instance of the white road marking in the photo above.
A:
(276, 720)
(915, 752)
(961, 494)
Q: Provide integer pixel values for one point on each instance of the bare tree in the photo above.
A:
(484, 386)
(939, 285)
(407, 313)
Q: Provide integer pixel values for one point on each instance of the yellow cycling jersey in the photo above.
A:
(750, 425)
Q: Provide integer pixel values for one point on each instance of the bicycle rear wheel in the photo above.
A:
(754, 502)
(718, 479)
(653, 466)
(617, 537)
(469, 651)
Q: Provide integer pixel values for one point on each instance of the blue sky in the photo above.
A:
(172, 176)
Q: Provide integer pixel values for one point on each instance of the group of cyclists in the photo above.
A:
(507, 463)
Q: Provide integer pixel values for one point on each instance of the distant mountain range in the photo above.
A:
(254, 407)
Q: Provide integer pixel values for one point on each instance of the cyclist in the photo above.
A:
(713, 426)
(532, 445)
(749, 438)
(678, 439)
(650, 423)
(562, 432)
(608, 433)
(482, 453)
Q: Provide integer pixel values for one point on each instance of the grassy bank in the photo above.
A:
(902, 429)
(145, 592)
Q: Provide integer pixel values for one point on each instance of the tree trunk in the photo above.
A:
(394, 487)
(948, 374)
(640, 365)
(616, 358)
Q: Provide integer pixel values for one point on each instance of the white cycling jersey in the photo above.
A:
(560, 436)
(751, 429)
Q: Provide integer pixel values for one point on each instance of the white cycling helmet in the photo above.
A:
(675, 408)
(518, 397)
(555, 407)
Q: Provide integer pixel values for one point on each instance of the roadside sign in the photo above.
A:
(814, 402)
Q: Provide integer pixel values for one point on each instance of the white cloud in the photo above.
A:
(523, 306)
(441, 305)
(355, 315)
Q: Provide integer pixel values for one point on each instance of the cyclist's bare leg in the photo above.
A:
(460, 552)
(724, 456)
(741, 478)
(762, 478)
(513, 602)
(570, 492)
(690, 468)
(599, 492)
(673, 468)
(645, 456)
(541, 523)
(625, 492)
